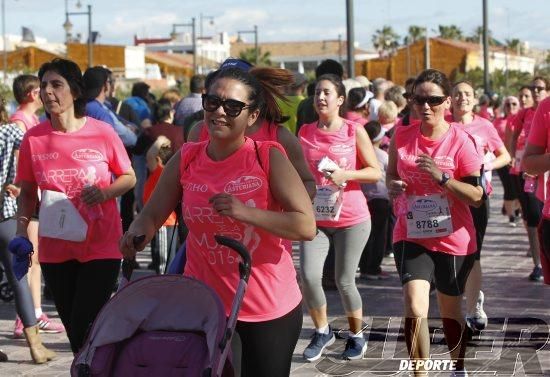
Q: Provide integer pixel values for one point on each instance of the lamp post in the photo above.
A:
(255, 32)
(192, 25)
(351, 38)
(68, 26)
(201, 19)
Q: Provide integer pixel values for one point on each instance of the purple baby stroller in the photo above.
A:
(163, 325)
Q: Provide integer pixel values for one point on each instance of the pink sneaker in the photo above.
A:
(18, 329)
(46, 325)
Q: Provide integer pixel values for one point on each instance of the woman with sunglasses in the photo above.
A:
(491, 147)
(433, 176)
(531, 206)
(264, 129)
(341, 155)
(536, 161)
(248, 190)
(510, 109)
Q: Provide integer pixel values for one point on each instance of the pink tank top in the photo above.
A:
(339, 146)
(29, 122)
(266, 132)
(272, 289)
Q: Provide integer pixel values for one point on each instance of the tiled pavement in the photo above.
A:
(519, 312)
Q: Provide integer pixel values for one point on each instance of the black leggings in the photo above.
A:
(510, 192)
(267, 347)
(22, 293)
(481, 219)
(79, 291)
(374, 250)
(531, 207)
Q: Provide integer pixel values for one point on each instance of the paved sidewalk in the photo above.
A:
(519, 312)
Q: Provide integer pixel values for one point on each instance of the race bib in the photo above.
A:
(428, 216)
(60, 219)
(327, 204)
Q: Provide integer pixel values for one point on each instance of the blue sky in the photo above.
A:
(118, 20)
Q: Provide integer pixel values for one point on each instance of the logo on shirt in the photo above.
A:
(243, 185)
(341, 149)
(444, 162)
(424, 205)
(195, 187)
(87, 154)
(45, 156)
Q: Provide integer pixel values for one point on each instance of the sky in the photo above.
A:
(280, 20)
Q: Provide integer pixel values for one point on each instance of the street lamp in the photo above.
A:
(193, 35)
(201, 18)
(255, 32)
(4, 39)
(68, 26)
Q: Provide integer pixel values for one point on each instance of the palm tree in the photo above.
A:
(385, 40)
(415, 33)
(250, 55)
(477, 36)
(450, 32)
(515, 45)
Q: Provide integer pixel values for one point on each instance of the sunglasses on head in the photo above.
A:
(430, 100)
(537, 88)
(231, 107)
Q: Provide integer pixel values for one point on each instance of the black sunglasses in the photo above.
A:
(232, 107)
(509, 104)
(430, 100)
(536, 88)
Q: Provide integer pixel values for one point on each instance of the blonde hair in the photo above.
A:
(387, 112)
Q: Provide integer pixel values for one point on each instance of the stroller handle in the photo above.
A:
(245, 265)
(127, 265)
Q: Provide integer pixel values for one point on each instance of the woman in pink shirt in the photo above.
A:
(531, 206)
(536, 161)
(340, 155)
(491, 147)
(248, 190)
(511, 203)
(433, 176)
(81, 167)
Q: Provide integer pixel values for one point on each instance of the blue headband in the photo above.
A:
(241, 64)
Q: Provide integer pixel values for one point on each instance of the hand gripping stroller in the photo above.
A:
(164, 325)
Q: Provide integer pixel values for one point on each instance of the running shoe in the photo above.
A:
(3, 357)
(18, 329)
(318, 344)
(512, 221)
(477, 321)
(48, 326)
(355, 348)
(536, 275)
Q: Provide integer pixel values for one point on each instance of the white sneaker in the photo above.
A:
(477, 320)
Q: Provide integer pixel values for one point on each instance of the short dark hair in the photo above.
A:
(329, 66)
(71, 72)
(162, 109)
(355, 97)
(140, 89)
(541, 78)
(436, 77)
(373, 129)
(23, 85)
(196, 85)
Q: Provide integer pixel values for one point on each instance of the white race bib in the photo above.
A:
(428, 216)
(328, 201)
(60, 219)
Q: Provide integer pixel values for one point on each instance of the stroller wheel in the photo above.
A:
(6, 293)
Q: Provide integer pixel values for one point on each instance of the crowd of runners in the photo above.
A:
(353, 171)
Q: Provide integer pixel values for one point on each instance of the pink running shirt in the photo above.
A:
(29, 122)
(486, 137)
(65, 162)
(341, 147)
(454, 153)
(500, 125)
(272, 289)
(522, 122)
(540, 137)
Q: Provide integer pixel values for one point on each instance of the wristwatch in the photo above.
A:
(444, 179)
